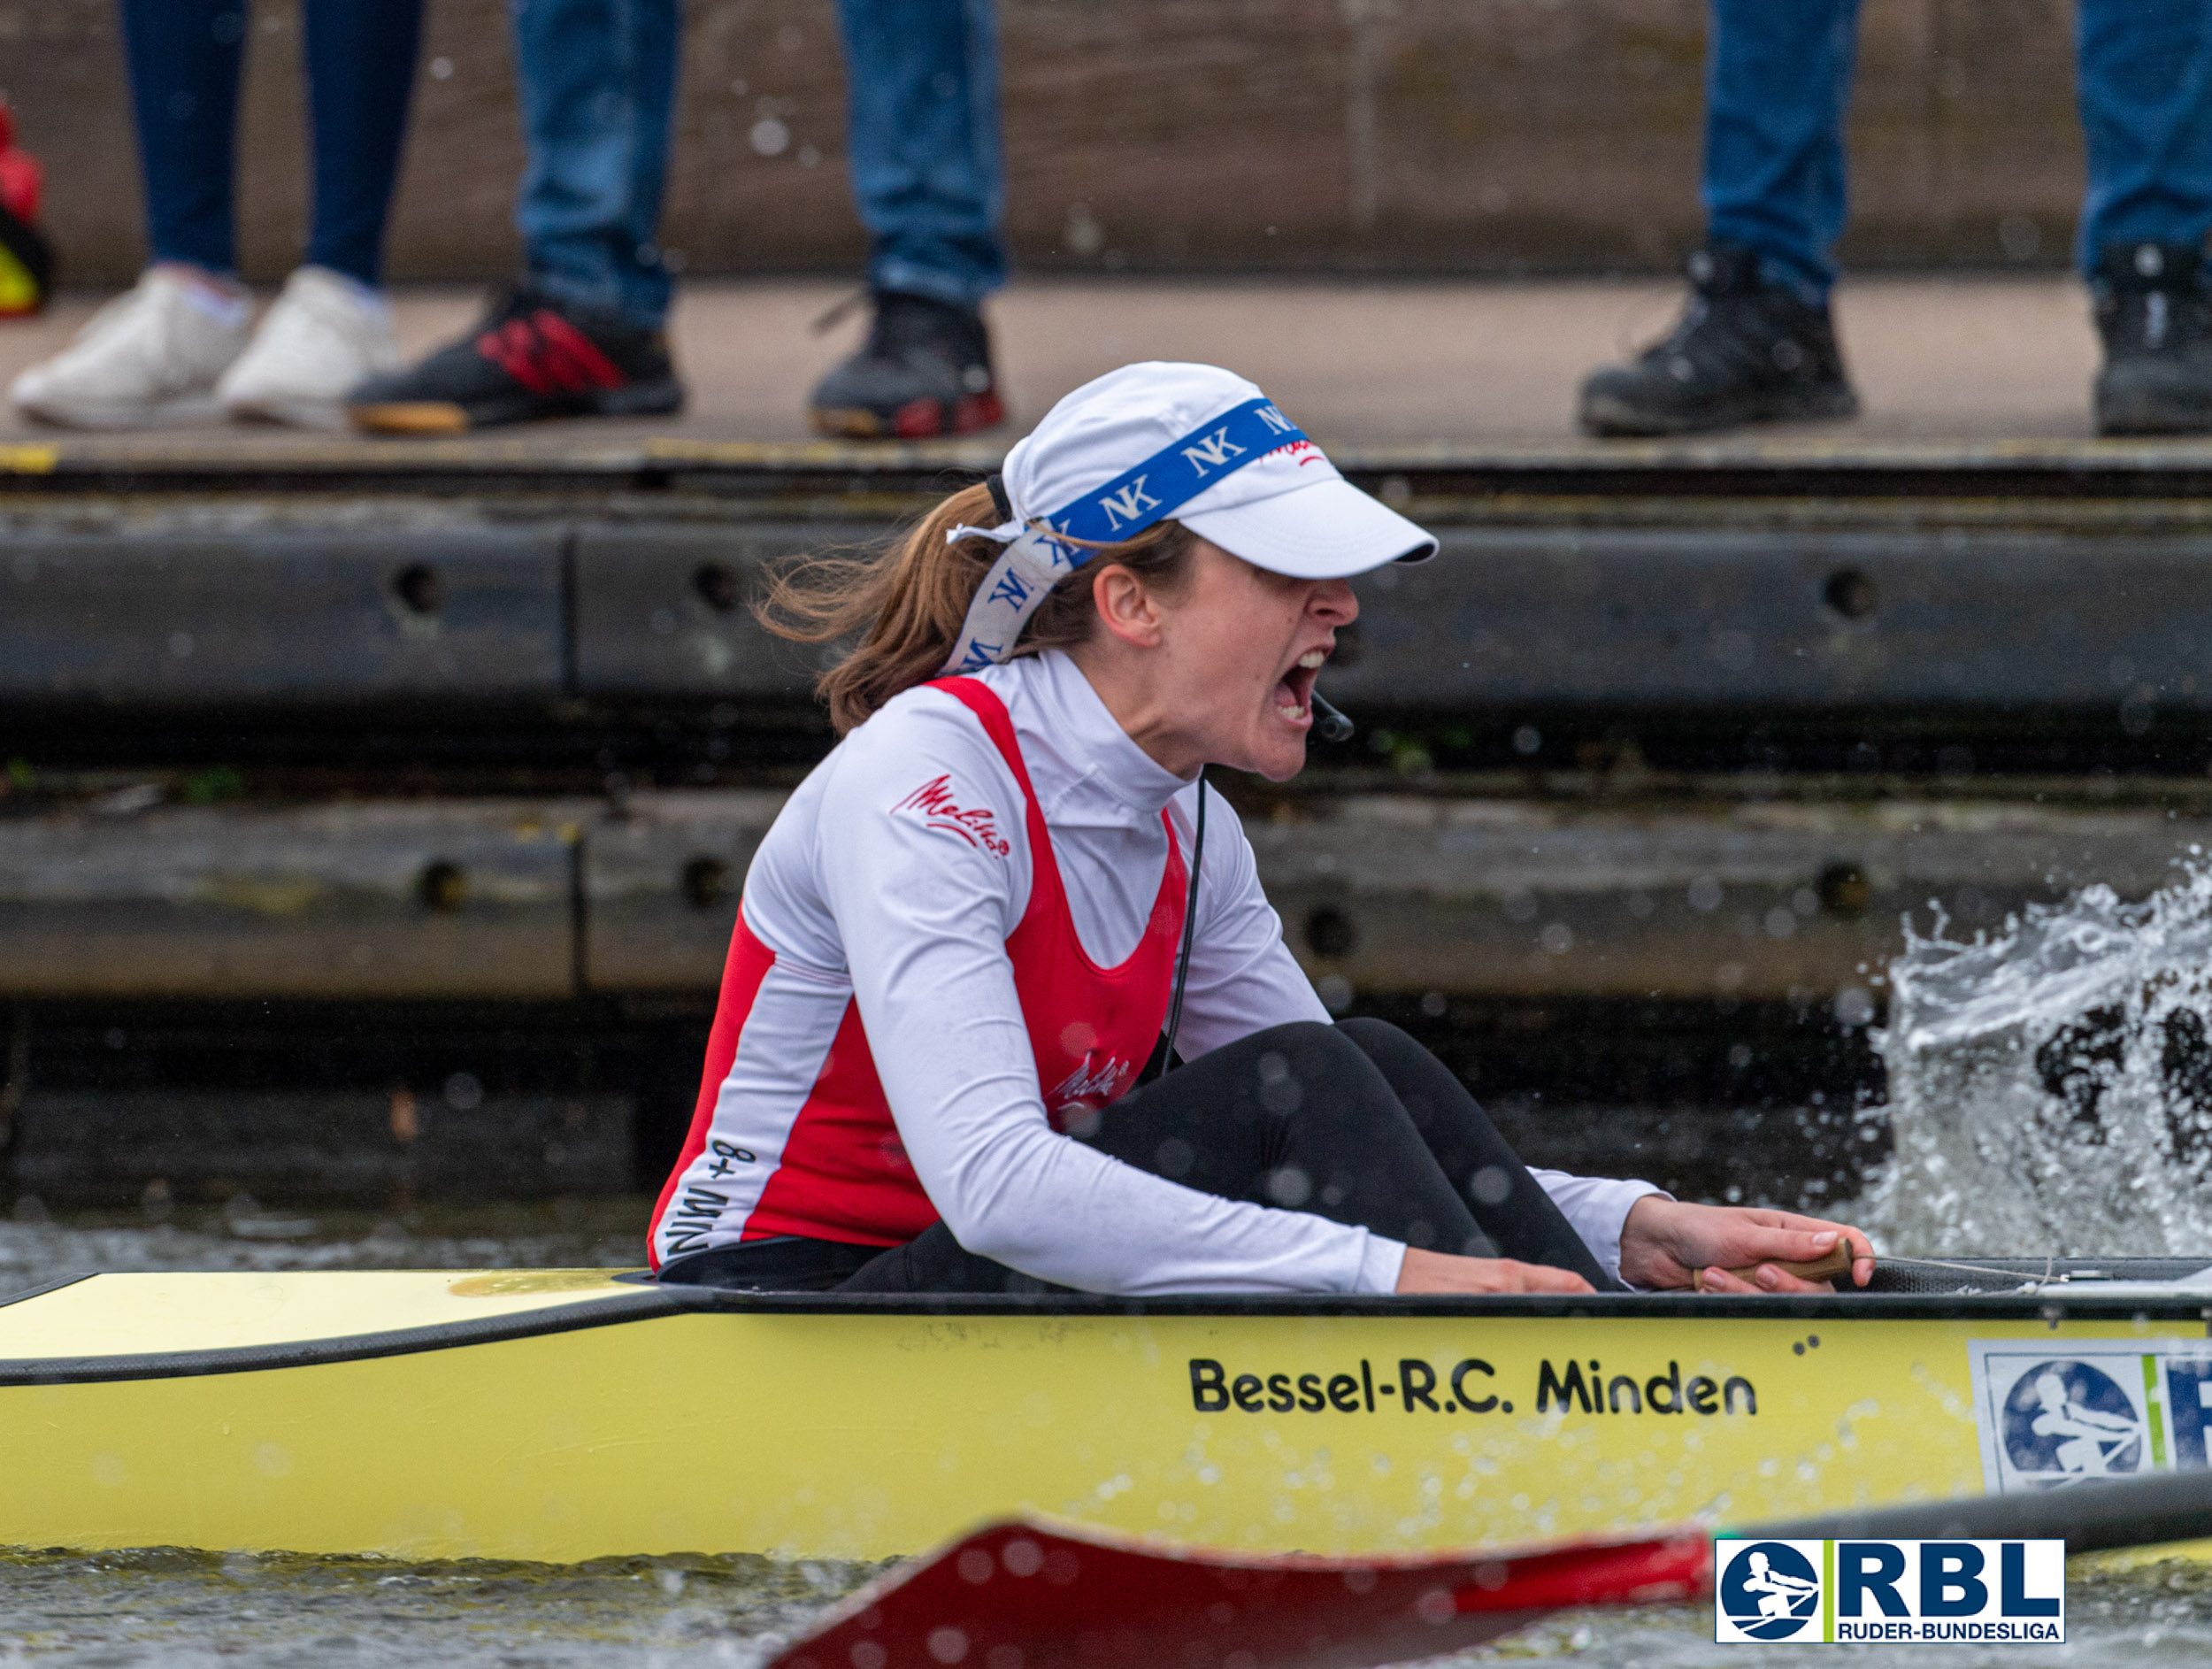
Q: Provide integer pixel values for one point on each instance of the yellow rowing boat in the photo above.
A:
(563, 1415)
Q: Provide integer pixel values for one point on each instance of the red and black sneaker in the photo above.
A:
(534, 356)
(924, 370)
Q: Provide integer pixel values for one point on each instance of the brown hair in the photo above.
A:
(907, 601)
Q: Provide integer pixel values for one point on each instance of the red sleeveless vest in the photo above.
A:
(843, 1174)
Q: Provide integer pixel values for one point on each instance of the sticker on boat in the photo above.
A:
(1875, 1588)
(2050, 1414)
(1767, 1590)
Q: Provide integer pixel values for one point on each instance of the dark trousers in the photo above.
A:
(1356, 1122)
(185, 58)
(1779, 81)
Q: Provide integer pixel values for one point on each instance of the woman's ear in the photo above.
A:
(1126, 606)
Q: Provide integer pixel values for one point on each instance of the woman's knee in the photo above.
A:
(1297, 1035)
(1294, 1060)
(1378, 1040)
(1424, 1083)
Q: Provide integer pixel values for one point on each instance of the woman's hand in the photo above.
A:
(1664, 1242)
(1440, 1272)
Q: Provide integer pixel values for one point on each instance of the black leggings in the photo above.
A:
(1355, 1122)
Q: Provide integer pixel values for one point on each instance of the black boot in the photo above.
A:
(1742, 353)
(2155, 315)
(924, 370)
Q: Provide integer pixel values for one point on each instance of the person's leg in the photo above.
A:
(1294, 1116)
(1778, 81)
(2145, 78)
(923, 143)
(2145, 93)
(154, 356)
(597, 81)
(583, 336)
(935, 1262)
(184, 58)
(331, 329)
(1508, 1204)
(1299, 1116)
(923, 140)
(360, 62)
(656, 33)
(1756, 343)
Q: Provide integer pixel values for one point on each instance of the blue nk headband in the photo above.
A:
(1037, 556)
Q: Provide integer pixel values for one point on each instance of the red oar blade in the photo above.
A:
(1017, 1597)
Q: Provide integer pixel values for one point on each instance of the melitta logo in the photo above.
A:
(933, 802)
(1926, 1592)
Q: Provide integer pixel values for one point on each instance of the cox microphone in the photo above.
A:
(1333, 725)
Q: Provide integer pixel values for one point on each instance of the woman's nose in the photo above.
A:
(1335, 601)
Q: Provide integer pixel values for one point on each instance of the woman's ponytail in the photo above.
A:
(908, 601)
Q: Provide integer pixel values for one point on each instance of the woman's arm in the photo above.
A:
(1597, 1208)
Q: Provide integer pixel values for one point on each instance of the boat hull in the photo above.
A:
(599, 1418)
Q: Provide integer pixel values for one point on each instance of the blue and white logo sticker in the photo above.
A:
(1767, 1590)
(1897, 1592)
(2051, 1415)
(2065, 1420)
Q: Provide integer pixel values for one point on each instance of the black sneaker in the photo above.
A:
(534, 356)
(924, 370)
(2155, 315)
(1743, 352)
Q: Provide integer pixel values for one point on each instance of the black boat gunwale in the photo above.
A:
(44, 1287)
(651, 1302)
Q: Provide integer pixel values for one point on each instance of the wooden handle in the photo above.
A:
(1836, 1263)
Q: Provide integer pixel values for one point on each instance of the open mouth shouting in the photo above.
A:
(1294, 691)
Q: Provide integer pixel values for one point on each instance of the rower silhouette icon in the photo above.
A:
(2066, 1421)
(1770, 1590)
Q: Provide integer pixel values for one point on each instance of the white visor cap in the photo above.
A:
(1287, 510)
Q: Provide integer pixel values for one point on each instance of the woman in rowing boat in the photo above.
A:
(1008, 888)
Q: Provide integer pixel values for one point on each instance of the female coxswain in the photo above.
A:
(1007, 887)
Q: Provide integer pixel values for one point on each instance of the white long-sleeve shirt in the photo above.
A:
(857, 899)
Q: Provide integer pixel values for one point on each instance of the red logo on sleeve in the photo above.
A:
(934, 802)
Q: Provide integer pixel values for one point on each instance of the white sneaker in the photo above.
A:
(326, 334)
(152, 355)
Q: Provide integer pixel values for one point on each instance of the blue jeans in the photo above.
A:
(184, 58)
(598, 81)
(1779, 78)
(597, 84)
(923, 143)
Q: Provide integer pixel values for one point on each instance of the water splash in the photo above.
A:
(2051, 1086)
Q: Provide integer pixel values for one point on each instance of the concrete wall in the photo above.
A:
(1175, 135)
